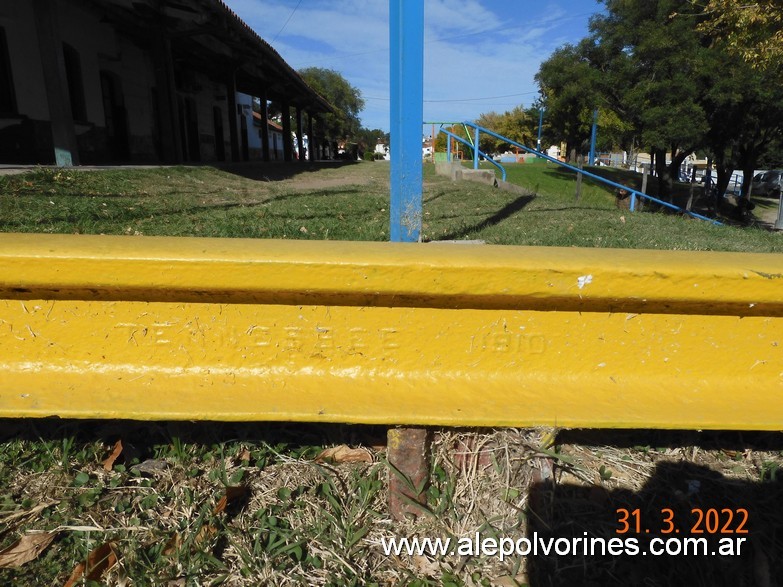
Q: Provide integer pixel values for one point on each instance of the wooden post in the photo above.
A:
(300, 134)
(579, 182)
(312, 144)
(645, 171)
(288, 147)
(409, 467)
(264, 126)
(233, 118)
(690, 190)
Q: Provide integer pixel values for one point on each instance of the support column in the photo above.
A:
(168, 108)
(300, 134)
(264, 127)
(592, 137)
(540, 124)
(233, 119)
(312, 144)
(779, 219)
(406, 32)
(66, 149)
(288, 147)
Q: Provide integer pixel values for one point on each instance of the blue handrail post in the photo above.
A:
(451, 135)
(540, 124)
(476, 150)
(406, 42)
(448, 148)
(592, 138)
(598, 178)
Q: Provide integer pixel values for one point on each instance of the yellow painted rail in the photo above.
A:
(234, 329)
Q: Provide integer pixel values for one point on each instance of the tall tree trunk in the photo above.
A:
(747, 176)
(747, 162)
(724, 176)
(665, 180)
(674, 167)
(630, 157)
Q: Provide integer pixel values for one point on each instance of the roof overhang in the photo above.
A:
(207, 36)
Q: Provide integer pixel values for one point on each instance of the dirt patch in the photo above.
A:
(766, 211)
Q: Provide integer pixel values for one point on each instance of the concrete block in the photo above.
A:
(479, 175)
(447, 168)
(510, 187)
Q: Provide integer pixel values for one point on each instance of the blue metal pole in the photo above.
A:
(448, 148)
(540, 124)
(476, 150)
(406, 41)
(592, 138)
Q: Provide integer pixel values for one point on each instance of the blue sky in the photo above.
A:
(479, 55)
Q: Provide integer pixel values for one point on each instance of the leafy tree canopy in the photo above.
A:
(666, 84)
(346, 99)
(519, 124)
(752, 30)
(367, 138)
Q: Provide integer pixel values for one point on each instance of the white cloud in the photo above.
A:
(458, 16)
(473, 48)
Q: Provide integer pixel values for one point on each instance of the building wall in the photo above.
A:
(85, 33)
(275, 145)
(27, 133)
(245, 102)
(133, 68)
(17, 20)
(27, 136)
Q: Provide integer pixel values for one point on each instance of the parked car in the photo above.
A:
(768, 183)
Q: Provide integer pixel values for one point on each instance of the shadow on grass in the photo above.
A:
(680, 501)
(143, 440)
(505, 212)
(278, 170)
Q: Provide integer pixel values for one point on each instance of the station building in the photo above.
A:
(145, 81)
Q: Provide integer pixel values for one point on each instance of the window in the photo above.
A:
(73, 72)
(7, 96)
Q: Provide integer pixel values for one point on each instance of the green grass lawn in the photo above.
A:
(296, 521)
(314, 205)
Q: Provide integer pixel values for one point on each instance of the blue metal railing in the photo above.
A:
(634, 193)
(450, 135)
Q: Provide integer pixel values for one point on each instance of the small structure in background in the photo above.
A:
(382, 151)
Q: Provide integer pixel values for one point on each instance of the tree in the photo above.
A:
(656, 70)
(570, 90)
(459, 130)
(491, 121)
(745, 117)
(519, 124)
(366, 138)
(752, 30)
(346, 99)
(655, 64)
